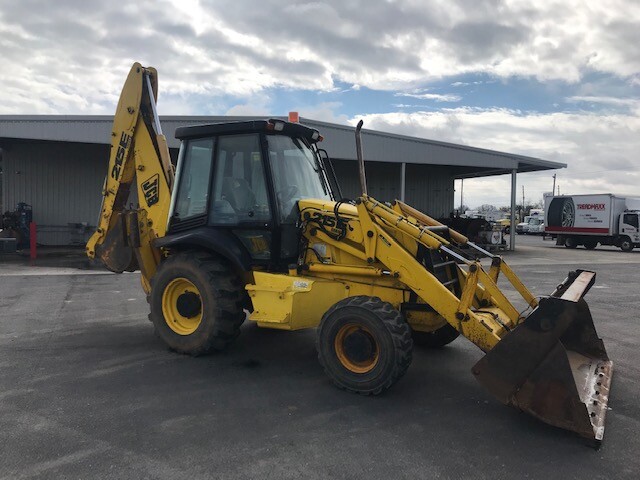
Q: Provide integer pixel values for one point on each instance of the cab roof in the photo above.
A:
(274, 126)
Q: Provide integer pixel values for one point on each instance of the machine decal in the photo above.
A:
(122, 148)
(335, 226)
(300, 285)
(150, 190)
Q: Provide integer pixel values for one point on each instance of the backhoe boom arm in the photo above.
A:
(139, 154)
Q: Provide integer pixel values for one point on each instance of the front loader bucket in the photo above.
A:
(553, 365)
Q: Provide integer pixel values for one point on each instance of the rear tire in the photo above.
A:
(196, 303)
(436, 339)
(364, 345)
(570, 242)
(590, 244)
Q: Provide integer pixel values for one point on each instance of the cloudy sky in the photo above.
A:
(558, 80)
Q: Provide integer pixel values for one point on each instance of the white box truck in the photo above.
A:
(589, 220)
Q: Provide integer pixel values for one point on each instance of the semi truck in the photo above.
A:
(589, 220)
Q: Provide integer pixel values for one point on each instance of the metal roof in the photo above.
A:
(338, 141)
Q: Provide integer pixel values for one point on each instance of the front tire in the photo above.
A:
(626, 245)
(196, 303)
(364, 345)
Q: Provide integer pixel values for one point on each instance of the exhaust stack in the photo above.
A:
(363, 176)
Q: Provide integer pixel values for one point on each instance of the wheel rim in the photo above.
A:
(568, 214)
(182, 306)
(356, 348)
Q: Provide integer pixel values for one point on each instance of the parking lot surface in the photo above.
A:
(88, 391)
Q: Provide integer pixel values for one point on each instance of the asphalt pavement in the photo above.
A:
(88, 391)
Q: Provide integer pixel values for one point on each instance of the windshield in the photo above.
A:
(296, 174)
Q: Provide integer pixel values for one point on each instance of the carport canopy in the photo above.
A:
(464, 161)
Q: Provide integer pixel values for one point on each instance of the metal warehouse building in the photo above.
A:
(58, 164)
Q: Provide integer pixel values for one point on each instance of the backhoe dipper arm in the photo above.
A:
(139, 154)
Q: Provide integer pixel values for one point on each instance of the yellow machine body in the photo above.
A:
(392, 275)
(292, 303)
(546, 360)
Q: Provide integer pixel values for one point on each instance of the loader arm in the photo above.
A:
(388, 241)
(547, 361)
(139, 155)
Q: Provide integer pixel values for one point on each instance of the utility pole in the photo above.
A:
(554, 184)
(558, 189)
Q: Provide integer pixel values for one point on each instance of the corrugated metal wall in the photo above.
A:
(428, 188)
(61, 181)
(383, 179)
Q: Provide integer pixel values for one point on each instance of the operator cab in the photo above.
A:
(239, 183)
(630, 225)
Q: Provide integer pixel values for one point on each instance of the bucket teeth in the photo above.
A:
(596, 394)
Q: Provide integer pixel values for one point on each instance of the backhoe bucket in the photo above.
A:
(553, 365)
(115, 251)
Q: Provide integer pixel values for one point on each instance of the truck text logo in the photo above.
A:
(591, 206)
(150, 190)
(122, 147)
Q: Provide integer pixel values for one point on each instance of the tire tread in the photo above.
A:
(394, 322)
(227, 290)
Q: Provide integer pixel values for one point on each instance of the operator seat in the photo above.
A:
(238, 193)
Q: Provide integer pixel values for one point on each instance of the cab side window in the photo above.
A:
(631, 219)
(193, 190)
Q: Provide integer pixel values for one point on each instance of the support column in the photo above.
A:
(512, 228)
(403, 178)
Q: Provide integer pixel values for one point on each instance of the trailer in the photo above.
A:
(589, 220)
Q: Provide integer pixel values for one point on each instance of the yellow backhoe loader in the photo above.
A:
(254, 220)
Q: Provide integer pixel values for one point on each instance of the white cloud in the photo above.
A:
(70, 57)
(604, 100)
(466, 84)
(432, 96)
(600, 149)
(258, 105)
